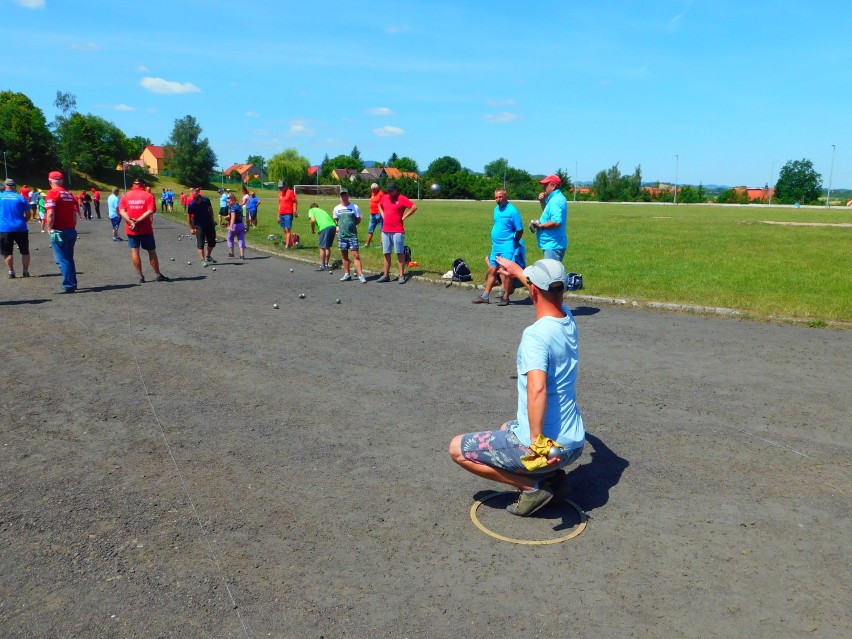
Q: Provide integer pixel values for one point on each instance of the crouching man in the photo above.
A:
(547, 434)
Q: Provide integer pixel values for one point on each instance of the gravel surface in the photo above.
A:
(184, 460)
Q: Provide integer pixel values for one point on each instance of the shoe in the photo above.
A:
(529, 501)
(120, 239)
(68, 291)
(367, 245)
(142, 280)
(116, 239)
(26, 273)
(230, 255)
(400, 279)
(322, 267)
(362, 279)
(161, 278)
(11, 275)
(481, 300)
(504, 301)
(383, 278)
(205, 263)
(346, 278)
(210, 260)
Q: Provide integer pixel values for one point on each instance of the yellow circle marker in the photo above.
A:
(527, 542)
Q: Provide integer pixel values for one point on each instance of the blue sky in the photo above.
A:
(721, 92)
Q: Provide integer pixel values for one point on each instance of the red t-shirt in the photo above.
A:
(25, 193)
(375, 198)
(287, 202)
(64, 206)
(96, 196)
(393, 213)
(136, 202)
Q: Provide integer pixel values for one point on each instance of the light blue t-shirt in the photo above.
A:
(507, 223)
(551, 345)
(13, 212)
(223, 200)
(555, 210)
(112, 204)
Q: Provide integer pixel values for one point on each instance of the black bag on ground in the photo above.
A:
(461, 271)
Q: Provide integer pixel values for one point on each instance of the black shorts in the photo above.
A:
(223, 211)
(203, 233)
(8, 241)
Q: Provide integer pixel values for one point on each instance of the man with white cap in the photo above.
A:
(547, 434)
(376, 195)
(551, 228)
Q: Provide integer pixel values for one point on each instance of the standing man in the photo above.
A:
(34, 198)
(551, 227)
(547, 434)
(395, 209)
(288, 208)
(96, 200)
(253, 204)
(137, 208)
(376, 195)
(223, 206)
(199, 217)
(506, 233)
(114, 217)
(322, 223)
(61, 213)
(14, 211)
(347, 215)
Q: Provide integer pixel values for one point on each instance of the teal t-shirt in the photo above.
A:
(321, 218)
(347, 220)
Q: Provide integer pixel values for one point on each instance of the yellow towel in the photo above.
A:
(541, 447)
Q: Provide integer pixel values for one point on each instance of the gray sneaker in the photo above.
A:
(401, 279)
(383, 278)
(362, 279)
(346, 277)
(531, 501)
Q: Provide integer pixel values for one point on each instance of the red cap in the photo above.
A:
(54, 175)
(551, 179)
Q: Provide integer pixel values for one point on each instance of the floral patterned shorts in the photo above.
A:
(502, 449)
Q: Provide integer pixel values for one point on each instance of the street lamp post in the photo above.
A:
(124, 170)
(677, 166)
(830, 176)
(5, 166)
(771, 175)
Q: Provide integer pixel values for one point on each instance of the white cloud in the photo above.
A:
(397, 28)
(141, 69)
(379, 111)
(388, 131)
(30, 4)
(89, 46)
(252, 114)
(299, 129)
(116, 107)
(500, 103)
(501, 117)
(158, 85)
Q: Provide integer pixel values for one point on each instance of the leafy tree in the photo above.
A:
(393, 158)
(24, 134)
(193, 159)
(235, 176)
(445, 165)
(258, 160)
(90, 144)
(733, 196)
(288, 166)
(798, 182)
(341, 162)
(405, 164)
(688, 194)
(497, 169)
(356, 154)
(66, 103)
(136, 145)
(612, 186)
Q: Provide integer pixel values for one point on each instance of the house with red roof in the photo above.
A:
(157, 158)
(247, 172)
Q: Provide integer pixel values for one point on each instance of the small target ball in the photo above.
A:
(337, 301)
(291, 270)
(301, 296)
(214, 268)
(275, 306)
(173, 259)
(189, 262)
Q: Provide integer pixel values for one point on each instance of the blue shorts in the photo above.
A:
(502, 449)
(347, 243)
(495, 253)
(554, 254)
(286, 221)
(141, 241)
(393, 243)
(376, 219)
(116, 222)
(326, 237)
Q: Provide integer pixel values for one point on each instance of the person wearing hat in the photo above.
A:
(547, 434)
(551, 227)
(14, 210)
(137, 208)
(60, 220)
(199, 218)
(376, 195)
(395, 208)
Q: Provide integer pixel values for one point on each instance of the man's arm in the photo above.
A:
(536, 401)
(409, 212)
(511, 269)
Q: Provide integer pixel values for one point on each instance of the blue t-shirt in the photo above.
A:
(223, 201)
(13, 212)
(555, 210)
(112, 204)
(253, 204)
(550, 345)
(238, 211)
(507, 222)
(199, 209)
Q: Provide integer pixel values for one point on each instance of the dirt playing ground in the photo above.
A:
(183, 460)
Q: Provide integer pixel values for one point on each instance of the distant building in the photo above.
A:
(157, 159)
(756, 193)
(344, 174)
(248, 172)
(395, 174)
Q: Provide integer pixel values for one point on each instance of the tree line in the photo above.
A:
(86, 143)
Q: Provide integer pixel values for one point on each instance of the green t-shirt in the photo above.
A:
(320, 218)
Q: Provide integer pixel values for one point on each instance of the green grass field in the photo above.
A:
(690, 254)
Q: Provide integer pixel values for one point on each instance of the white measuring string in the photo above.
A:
(187, 494)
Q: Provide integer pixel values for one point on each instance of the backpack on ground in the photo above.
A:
(406, 251)
(293, 240)
(460, 272)
(575, 281)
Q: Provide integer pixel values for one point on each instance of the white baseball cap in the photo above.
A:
(546, 273)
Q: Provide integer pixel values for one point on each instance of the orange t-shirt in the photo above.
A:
(287, 202)
(375, 198)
